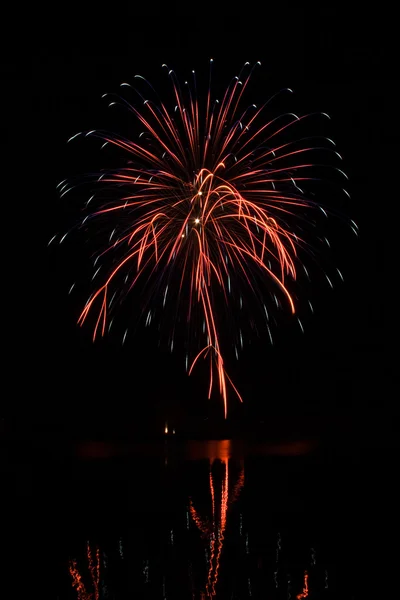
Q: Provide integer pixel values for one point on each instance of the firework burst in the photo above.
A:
(208, 207)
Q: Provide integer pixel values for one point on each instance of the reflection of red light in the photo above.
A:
(95, 450)
(219, 508)
(95, 571)
(77, 581)
(304, 593)
(196, 518)
(218, 537)
(210, 449)
(296, 448)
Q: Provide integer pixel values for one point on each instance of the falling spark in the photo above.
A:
(210, 200)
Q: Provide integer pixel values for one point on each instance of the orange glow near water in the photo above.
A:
(94, 569)
(304, 593)
(221, 497)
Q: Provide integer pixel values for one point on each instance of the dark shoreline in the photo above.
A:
(309, 434)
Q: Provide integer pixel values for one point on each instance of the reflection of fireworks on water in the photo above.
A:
(304, 593)
(214, 531)
(209, 211)
(77, 579)
(233, 533)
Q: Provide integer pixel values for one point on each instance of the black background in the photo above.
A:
(55, 66)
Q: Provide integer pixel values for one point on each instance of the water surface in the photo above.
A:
(198, 519)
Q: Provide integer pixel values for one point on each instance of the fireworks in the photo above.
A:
(214, 530)
(207, 209)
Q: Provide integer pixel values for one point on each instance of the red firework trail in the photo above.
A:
(215, 529)
(207, 201)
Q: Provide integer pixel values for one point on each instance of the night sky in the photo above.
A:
(54, 74)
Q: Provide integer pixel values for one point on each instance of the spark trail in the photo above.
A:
(208, 207)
